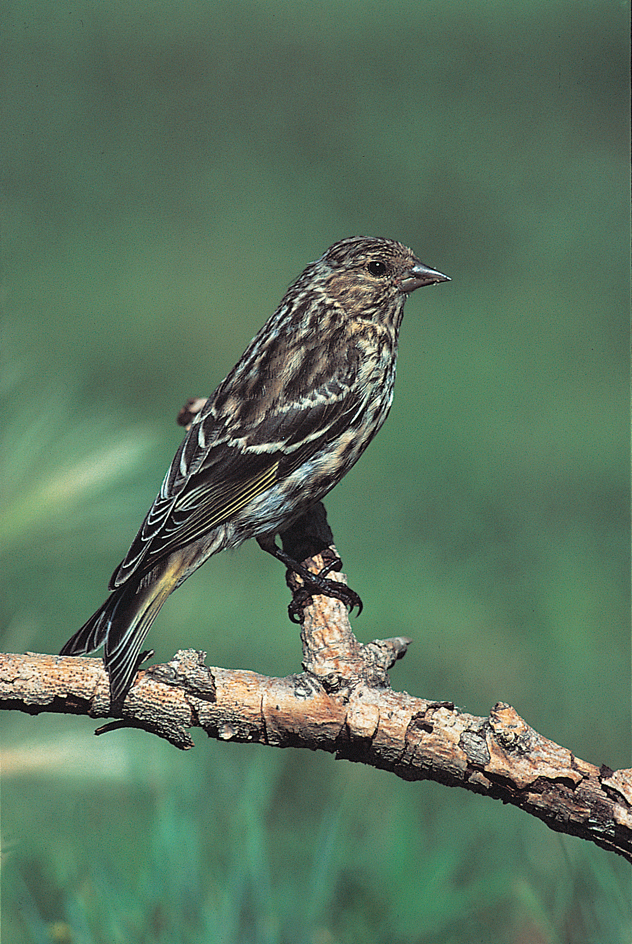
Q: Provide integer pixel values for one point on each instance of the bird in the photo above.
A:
(290, 419)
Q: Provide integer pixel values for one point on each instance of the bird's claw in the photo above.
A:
(313, 584)
(300, 599)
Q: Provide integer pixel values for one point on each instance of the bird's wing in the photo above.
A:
(226, 461)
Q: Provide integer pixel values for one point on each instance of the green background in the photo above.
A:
(169, 169)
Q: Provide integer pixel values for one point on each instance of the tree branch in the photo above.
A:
(342, 702)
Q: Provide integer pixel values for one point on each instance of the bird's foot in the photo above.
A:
(313, 584)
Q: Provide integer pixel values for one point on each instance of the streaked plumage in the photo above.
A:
(290, 419)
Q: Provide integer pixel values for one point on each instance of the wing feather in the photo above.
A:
(227, 459)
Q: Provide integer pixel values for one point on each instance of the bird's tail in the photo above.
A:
(121, 625)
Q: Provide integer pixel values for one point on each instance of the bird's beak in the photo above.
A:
(420, 275)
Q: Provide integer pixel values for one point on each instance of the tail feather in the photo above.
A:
(123, 644)
(120, 625)
(92, 634)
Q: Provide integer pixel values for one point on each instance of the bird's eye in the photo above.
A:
(376, 268)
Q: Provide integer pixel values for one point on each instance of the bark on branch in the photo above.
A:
(342, 702)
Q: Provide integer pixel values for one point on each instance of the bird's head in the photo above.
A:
(373, 274)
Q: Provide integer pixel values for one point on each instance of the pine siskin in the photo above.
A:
(295, 413)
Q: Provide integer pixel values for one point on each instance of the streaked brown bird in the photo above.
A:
(296, 412)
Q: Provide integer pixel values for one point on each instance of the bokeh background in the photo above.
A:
(169, 169)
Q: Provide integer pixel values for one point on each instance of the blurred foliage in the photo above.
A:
(167, 170)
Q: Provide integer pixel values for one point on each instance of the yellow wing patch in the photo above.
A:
(209, 507)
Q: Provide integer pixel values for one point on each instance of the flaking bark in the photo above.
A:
(342, 703)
